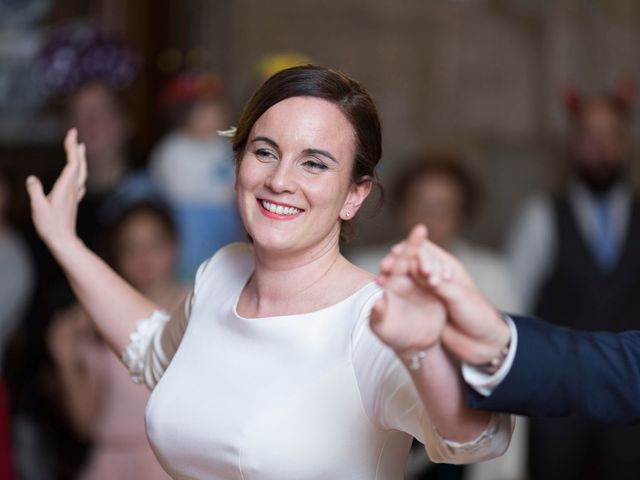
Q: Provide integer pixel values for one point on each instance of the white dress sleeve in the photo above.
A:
(392, 402)
(155, 340)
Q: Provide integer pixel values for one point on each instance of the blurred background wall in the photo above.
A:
(481, 75)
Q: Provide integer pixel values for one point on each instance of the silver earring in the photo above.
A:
(347, 214)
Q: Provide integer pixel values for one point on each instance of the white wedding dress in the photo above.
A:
(296, 397)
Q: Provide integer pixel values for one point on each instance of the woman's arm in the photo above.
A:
(113, 304)
(410, 320)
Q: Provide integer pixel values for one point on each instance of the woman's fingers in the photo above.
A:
(71, 145)
(417, 235)
(68, 181)
(82, 169)
(404, 258)
(35, 191)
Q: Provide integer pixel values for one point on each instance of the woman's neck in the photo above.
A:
(284, 284)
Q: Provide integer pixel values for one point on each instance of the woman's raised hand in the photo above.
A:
(476, 332)
(407, 318)
(54, 215)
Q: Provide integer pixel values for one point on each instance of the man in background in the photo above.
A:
(575, 262)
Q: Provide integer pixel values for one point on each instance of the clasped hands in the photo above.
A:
(429, 301)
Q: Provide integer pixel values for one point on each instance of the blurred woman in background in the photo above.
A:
(102, 403)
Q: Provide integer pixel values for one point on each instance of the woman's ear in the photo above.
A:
(358, 193)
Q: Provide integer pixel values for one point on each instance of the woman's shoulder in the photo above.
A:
(233, 261)
(361, 303)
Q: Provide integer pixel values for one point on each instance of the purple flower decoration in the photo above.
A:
(78, 54)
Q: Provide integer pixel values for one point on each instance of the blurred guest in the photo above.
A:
(90, 71)
(193, 167)
(438, 191)
(102, 403)
(576, 263)
(16, 273)
(87, 72)
(16, 283)
(99, 114)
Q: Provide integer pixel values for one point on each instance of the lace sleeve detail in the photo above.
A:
(144, 356)
(491, 443)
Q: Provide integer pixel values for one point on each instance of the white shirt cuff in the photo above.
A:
(484, 383)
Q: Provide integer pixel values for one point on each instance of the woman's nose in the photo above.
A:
(282, 178)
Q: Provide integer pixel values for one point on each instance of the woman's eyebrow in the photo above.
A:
(317, 151)
(266, 140)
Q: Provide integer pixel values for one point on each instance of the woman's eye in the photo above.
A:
(315, 164)
(264, 154)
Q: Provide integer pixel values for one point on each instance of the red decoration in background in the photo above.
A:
(573, 100)
(190, 87)
(623, 94)
(621, 97)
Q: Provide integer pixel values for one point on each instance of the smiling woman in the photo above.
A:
(286, 361)
(299, 157)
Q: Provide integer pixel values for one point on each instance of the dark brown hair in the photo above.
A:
(439, 163)
(320, 82)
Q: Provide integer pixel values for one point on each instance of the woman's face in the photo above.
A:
(146, 252)
(294, 178)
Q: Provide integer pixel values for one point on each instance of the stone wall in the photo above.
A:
(482, 76)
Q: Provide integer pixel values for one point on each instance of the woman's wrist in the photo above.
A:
(415, 357)
(62, 247)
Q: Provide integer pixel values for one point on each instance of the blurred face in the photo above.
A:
(101, 125)
(601, 147)
(294, 178)
(204, 119)
(145, 251)
(437, 201)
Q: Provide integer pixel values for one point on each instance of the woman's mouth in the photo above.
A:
(279, 211)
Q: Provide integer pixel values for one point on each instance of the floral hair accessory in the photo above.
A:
(228, 133)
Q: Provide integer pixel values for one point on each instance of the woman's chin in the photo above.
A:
(274, 243)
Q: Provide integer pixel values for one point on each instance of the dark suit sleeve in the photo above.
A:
(557, 372)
